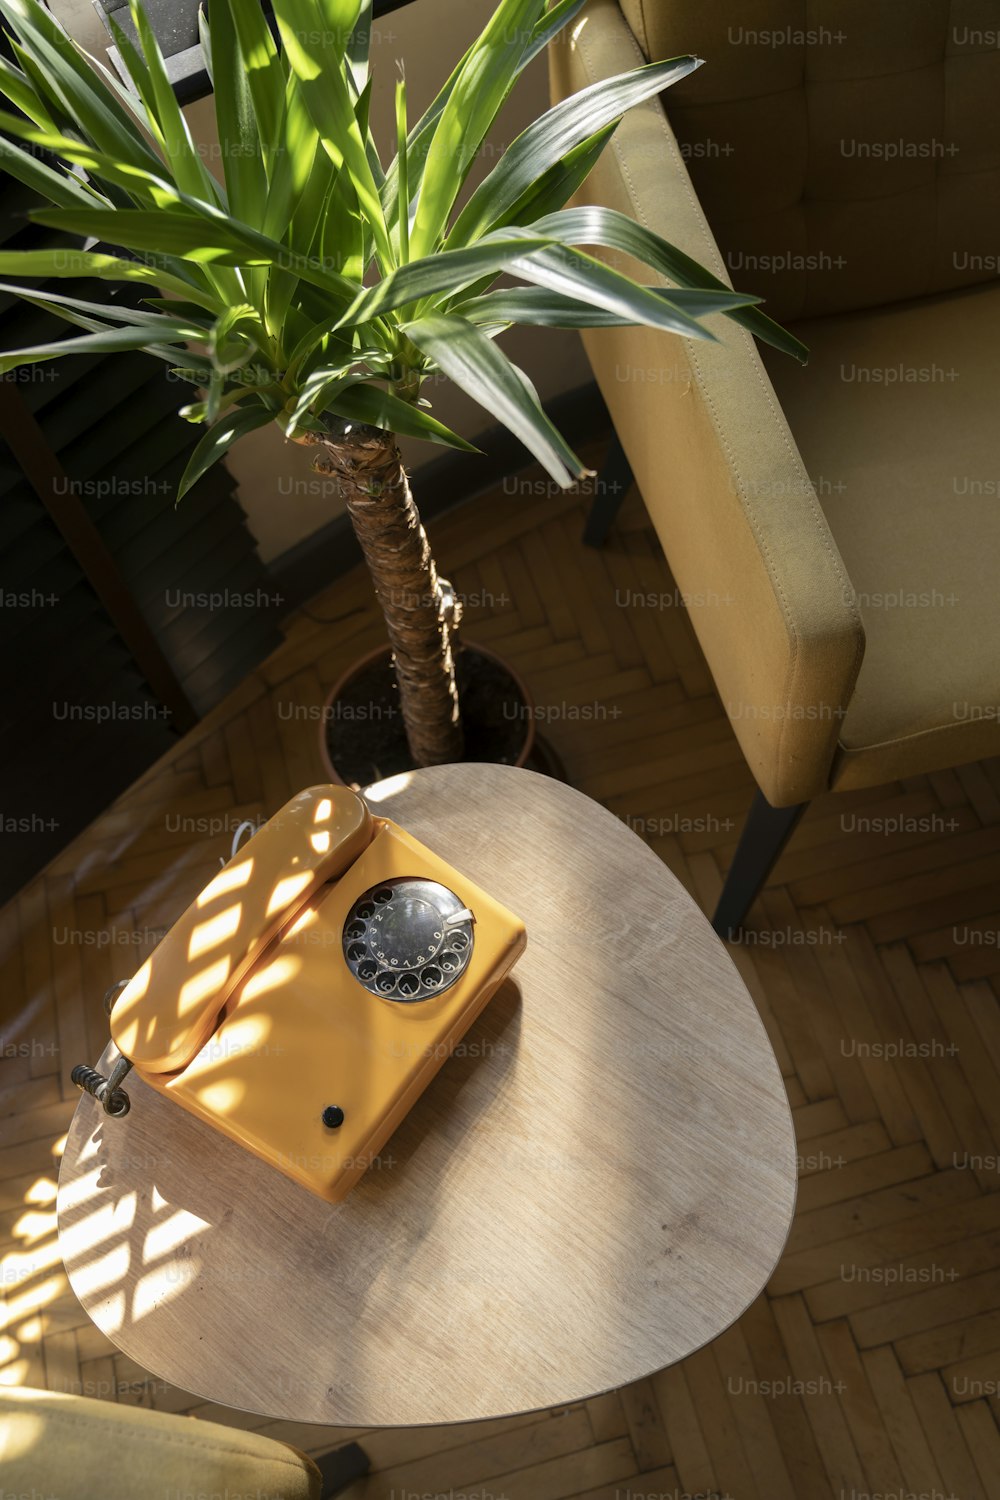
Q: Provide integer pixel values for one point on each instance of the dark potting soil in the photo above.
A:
(365, 737)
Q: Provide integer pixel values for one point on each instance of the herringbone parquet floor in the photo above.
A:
(871, 1366)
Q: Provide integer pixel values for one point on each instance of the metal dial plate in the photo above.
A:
(408, 939)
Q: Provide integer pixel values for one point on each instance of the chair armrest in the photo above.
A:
(57, 1444)
(718, 468)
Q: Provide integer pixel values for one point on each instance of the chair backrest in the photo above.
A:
(846, 153)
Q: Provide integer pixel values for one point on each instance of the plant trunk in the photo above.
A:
(420, 609)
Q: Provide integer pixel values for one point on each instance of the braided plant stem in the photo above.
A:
(421, 612)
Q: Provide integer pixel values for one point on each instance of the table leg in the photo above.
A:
(341, 1467)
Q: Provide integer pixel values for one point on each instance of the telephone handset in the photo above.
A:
(308, 995)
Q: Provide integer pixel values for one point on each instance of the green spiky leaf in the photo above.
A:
(315, 287)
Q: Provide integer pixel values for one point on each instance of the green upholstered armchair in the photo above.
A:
(846, 514)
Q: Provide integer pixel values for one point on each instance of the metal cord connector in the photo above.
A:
(107, 1091)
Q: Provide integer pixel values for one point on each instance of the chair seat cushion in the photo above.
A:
(53, 1443)
(896, 417)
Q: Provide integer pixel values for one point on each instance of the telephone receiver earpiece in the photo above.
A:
(169, 1008)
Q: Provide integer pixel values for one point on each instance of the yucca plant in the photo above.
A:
(318, 289)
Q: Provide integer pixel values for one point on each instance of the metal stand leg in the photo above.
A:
(341, 1468)
(765, 833)
(613, 483)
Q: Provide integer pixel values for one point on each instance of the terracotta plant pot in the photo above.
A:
(361, 734)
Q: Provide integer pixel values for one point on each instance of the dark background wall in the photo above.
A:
(109, 641)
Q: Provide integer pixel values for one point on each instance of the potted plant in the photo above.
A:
(318, 289)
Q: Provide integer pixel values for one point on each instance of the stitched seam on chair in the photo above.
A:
(695, 104)
(957, 171)
(938, 178)
(880, 77)
(806, 199)
(907, 192)
(794, 88)
(645, 29)
(899, 739)
(805, 20)
(804, 215)
(154, 1433)
(768, 393)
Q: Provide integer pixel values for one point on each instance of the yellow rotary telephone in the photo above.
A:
(307, 997)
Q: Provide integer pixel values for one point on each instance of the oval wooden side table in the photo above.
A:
(599, 1181)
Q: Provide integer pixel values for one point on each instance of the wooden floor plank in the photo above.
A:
(887, 1247)
(913, 1451)
(715, 1398)
(687, 1439)
(948, 1343)
(646, 1431)
(752, 1403)
(863, 1415)
(820, 1396)
(800, 1453)
(945, 1438)
(982, 1437)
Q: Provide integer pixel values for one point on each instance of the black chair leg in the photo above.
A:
(341, 1468)
(765, 833)
(610, 488)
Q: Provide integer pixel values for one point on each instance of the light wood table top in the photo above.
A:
(599, 1182)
